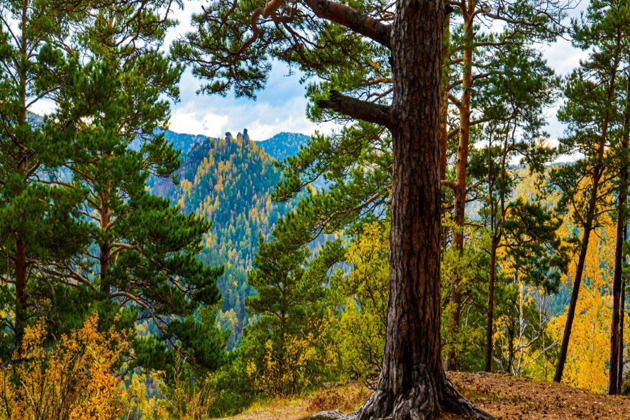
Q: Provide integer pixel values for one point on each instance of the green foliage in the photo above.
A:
(288, 347)
(359, 328)
(79, 229)
(594, 109)
(142, 251)
(228, 181)
(471, 266)
(284, 145)
(39, 224)
(289, 307)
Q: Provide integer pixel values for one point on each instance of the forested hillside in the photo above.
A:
(229, 182)
(283, 145)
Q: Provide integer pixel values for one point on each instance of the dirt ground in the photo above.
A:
(503, 396)
(506, 397)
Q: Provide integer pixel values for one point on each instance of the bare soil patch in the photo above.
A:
(506, 397)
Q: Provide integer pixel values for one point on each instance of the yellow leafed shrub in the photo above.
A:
(73, 380)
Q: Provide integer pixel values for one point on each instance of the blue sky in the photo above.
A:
(282, 105)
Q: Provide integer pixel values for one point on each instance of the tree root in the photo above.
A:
(422, 402)
(453, 402)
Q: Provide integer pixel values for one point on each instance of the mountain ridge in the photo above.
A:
(279, 146)
(229, 181)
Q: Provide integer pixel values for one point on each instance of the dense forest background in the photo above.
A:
(151, 274)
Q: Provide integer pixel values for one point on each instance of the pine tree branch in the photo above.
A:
(450, 184)
(271, 7)
(356, 108)
(455, 101)
(352, 19)
(156, 319)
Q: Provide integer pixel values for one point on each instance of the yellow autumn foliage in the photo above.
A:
(301, 357)
(74, 380)
(360, 328)
(589, 349)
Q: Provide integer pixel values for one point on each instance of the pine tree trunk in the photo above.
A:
(574, 296)
(588, 226)
(412, 384)
(20, 241)
(491, 279)
(613, 383)
(452, 361)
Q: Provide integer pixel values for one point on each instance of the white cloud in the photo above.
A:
(279, 107)
(43, 107)
(282, 105)
(189, 121)
(563, 57)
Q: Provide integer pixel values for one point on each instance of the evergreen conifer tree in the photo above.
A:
(594, 114)
(38, 222)
(143, 253)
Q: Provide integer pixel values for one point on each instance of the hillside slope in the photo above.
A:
(279, 147)
(229, 181)
(503, 396)
(283, 145)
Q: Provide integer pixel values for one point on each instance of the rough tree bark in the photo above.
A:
(613, 384)
(412, 384)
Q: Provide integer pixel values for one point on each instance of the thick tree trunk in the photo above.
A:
(412, 384)
(491, 278)
(613, 382)
(412, 365)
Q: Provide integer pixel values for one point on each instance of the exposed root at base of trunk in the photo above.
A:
(453, 402)
(422, 402)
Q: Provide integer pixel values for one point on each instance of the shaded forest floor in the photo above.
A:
(503, 396)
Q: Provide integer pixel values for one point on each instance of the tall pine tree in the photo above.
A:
(594, 117)
(38, 223)
(317, 35)
(142, 257)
